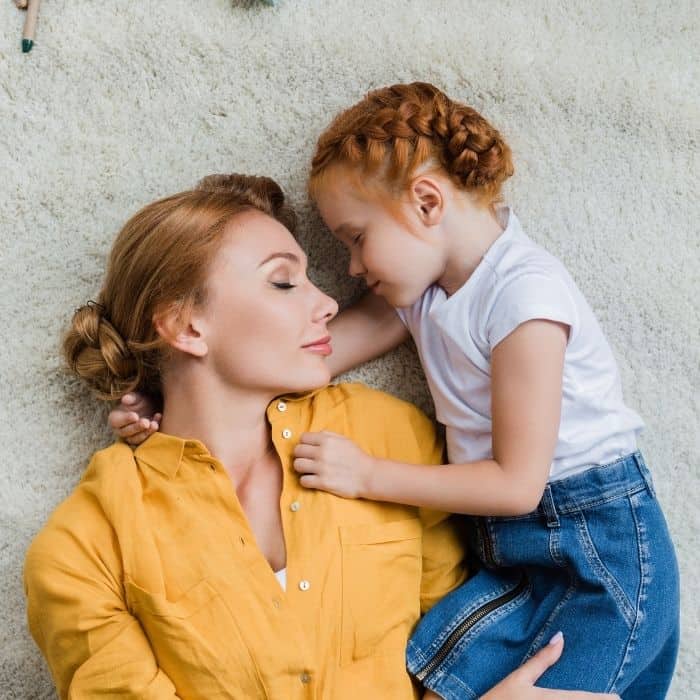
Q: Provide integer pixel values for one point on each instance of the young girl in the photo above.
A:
(541, 447)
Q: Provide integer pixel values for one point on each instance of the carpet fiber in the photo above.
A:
(121, 102)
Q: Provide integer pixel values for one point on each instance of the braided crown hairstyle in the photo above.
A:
(394, 130)
(159, 261)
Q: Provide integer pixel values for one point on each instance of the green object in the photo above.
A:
(27, 45)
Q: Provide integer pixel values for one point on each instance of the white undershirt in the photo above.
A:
(281, 576)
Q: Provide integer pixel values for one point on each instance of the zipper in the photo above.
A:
(464, 626)
(488, 547)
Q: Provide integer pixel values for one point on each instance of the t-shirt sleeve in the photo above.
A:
(528, 297)
(401, 313)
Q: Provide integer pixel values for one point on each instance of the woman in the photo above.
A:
(197, 566)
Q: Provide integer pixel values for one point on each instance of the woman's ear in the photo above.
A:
(428, 198)
(181, 331)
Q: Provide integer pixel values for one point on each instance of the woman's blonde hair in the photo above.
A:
(394, 130)
(159, 262)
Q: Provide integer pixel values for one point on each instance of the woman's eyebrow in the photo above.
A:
(287, 256)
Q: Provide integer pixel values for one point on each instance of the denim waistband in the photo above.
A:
(596, 485)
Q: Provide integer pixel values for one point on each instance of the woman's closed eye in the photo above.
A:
(356, 239)
(283, 285)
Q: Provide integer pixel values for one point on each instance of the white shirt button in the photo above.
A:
(286, 433)
(305, 678)
(304, 585)
(281, 406)
(294, 506)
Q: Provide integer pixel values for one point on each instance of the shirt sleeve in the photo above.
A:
(78, 617)
(444, 565)
(528, 297)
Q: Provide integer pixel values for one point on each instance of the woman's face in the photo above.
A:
(264, 322)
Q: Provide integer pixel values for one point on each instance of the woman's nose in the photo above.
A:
(326, 308)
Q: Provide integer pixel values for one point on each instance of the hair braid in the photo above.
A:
(398, 128)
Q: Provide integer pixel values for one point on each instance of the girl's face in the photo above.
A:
(397, 262)
(264, 323)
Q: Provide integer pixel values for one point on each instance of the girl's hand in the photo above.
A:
(521, 683)
(331, 462)
(134, 419)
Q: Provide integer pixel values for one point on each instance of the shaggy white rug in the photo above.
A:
(121, 102)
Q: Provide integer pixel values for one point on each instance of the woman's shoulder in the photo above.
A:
(88, 512)
(359, 396)
(373, 417)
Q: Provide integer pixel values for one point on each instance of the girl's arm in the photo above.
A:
(363, 331)
(526, 376)
(367, 329)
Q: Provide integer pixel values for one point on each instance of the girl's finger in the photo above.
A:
(549, 654)
(304, 466)
(304, 450)
(310, 481)
(129, 399)
(138, 438)
(576, 695)
(118, 419)
(134, 428)
(311, 438)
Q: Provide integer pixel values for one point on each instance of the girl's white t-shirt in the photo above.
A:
(517, 281)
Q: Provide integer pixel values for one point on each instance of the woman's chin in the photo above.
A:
(309, 381)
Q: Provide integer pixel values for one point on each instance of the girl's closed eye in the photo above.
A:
(283, 285)
(357, 239)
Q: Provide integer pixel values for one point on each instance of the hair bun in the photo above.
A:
(97, 353)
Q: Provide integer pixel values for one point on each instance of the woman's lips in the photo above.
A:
(322, 346)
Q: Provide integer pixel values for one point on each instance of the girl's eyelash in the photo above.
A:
(284, 285)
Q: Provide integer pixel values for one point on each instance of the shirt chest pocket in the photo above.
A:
(381, 573)
(196, 642)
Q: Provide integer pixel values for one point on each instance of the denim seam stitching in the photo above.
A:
(447, 630)
(624, 604)
(491, 619)
(641, 596)
(554, 549)
(552, 616)
(471, 695)
(592, 503)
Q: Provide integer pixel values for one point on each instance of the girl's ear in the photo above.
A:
(180, 332)
(428, 198)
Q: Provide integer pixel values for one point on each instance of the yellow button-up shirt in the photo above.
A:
(147, 581)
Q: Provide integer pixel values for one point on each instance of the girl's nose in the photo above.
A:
(356, 268)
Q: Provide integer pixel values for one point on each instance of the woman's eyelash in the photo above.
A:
(284, 285)
(356, 239)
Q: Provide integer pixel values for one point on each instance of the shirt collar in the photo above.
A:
(165, 452)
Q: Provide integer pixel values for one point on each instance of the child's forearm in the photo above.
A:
(477, 488)
(363, 331)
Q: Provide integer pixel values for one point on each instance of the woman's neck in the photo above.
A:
(230, 421)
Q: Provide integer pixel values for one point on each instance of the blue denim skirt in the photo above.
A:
(595, 561)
